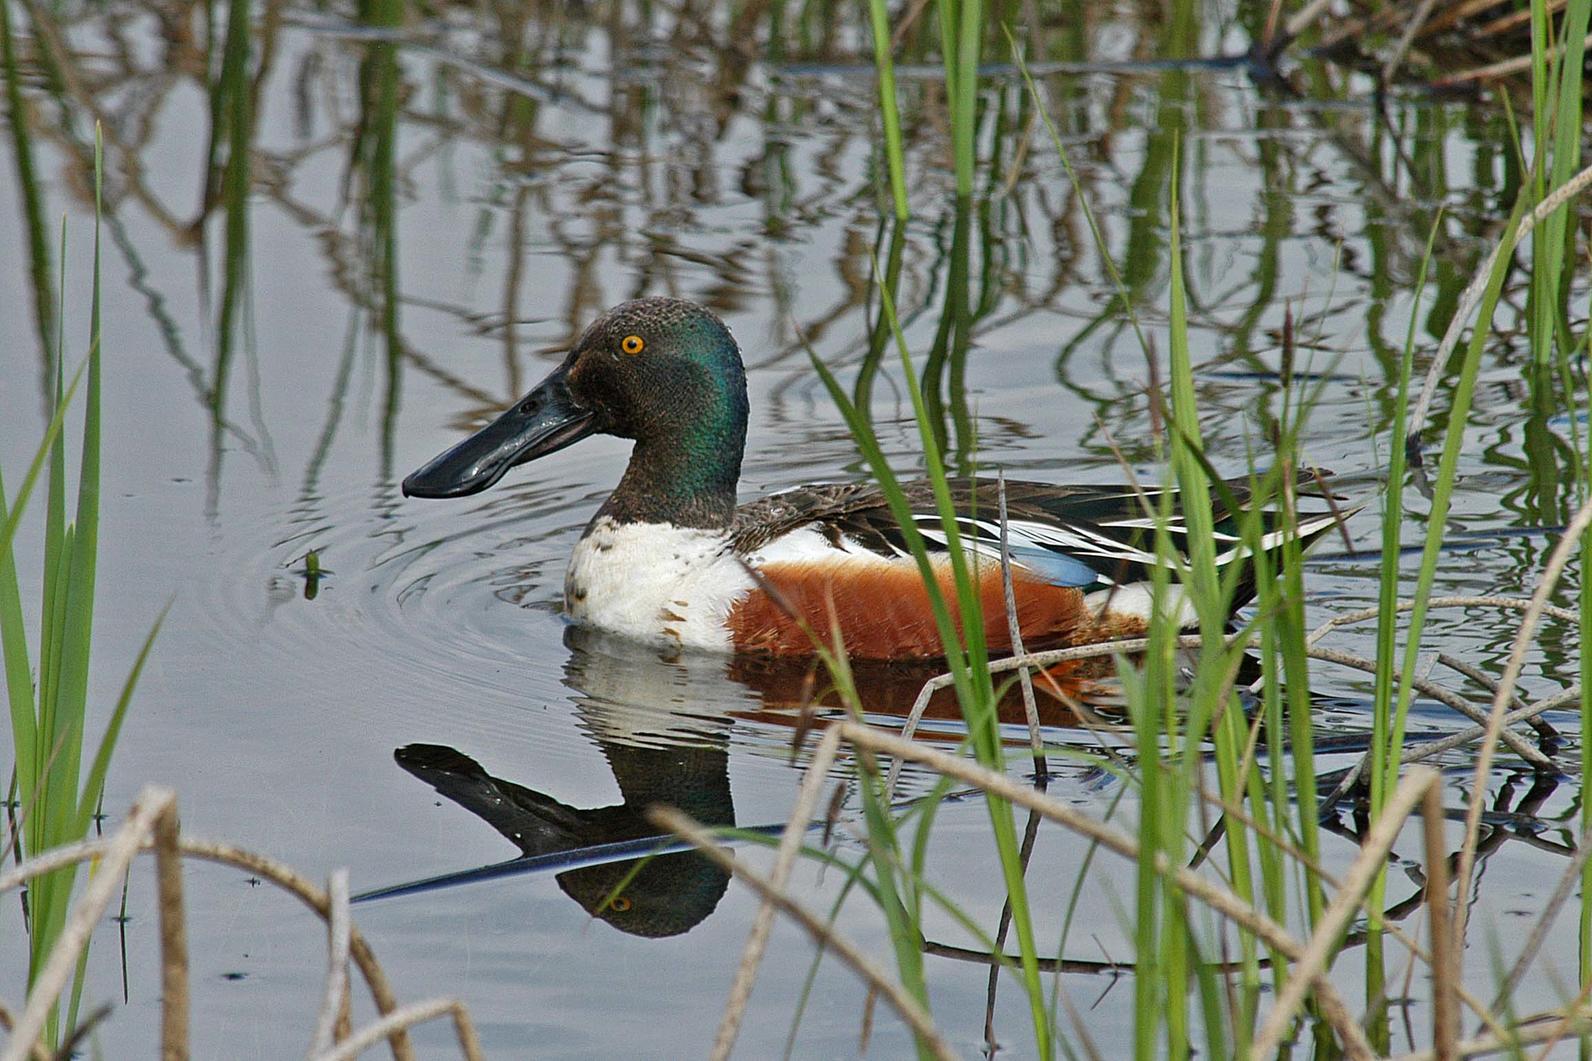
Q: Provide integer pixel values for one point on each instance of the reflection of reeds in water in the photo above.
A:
(32, 201)
(979, 253)
(374, 157)
(229, 181)
(494, 91)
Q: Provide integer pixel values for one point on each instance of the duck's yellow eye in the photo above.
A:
(632, 344)
(620, 904)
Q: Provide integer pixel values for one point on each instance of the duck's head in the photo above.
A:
(662, 371)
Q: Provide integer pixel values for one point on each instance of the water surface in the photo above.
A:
(431, 214)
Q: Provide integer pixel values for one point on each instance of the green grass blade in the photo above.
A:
(13, 635)
(52, 590)
(94, 783)
(78, 620)
(889, 107)
(964, 99)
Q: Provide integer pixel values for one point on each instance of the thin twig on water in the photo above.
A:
(398, 1021)
(1312, 964)
(336, 994)
(1014, 629)
(1569, 543)
(1516, 743)
(784, 859)
(877, 979)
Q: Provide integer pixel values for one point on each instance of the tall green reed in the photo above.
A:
(889, 106)
(1174, 724)
(961, 32)
(962, 26)
(1174, 728)
(56, 799)
(1556, 357)
(1389, 717)
(959, 620)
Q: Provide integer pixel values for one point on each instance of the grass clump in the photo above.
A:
(1215, 970)
(54, 799)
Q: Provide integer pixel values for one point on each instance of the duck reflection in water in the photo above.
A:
(659, 752)
(668, 894)
(662, 723)
(629, 684)
(785, 687)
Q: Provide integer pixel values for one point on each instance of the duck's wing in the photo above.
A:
(1087, 536)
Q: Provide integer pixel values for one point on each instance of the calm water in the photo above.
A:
(431, 217)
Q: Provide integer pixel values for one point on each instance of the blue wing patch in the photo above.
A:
(1058, 569)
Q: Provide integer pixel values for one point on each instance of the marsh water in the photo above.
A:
(431, 211)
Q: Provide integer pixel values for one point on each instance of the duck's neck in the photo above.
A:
(684, 481)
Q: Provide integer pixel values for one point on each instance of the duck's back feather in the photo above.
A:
(1086, 537)
(834, 557)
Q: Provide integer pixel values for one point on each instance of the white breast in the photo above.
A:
(655, 582)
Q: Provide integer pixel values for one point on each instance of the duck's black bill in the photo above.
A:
(544, 421)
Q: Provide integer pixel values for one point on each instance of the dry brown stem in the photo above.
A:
(1547, 1029)
(877, 979)
(1488, 682)
(1311, 966)
(152, 824)
(337, 931)
(291, 881)
(1014, 630)
(1216, 898)
(1517, 743)
(174, 1008)
(396, 1022)
(1445, 978)
(1569, 543)
(784, 859)
(85, 913)
(1517, 604)
(1032, 659)
(1422, 752)
(1493, 71)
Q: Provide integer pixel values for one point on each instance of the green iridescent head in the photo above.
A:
(663, 371)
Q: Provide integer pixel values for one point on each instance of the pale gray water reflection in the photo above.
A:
(326, 265)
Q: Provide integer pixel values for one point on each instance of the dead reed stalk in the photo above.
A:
(398, 1021)
(1218, 899)
(1311, 966)
(336, 997)
(877, 979)
(1569, 543)
(784, 859)
(1445, 975)
(153, 824)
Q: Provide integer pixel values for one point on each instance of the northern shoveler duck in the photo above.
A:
(670, 558)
